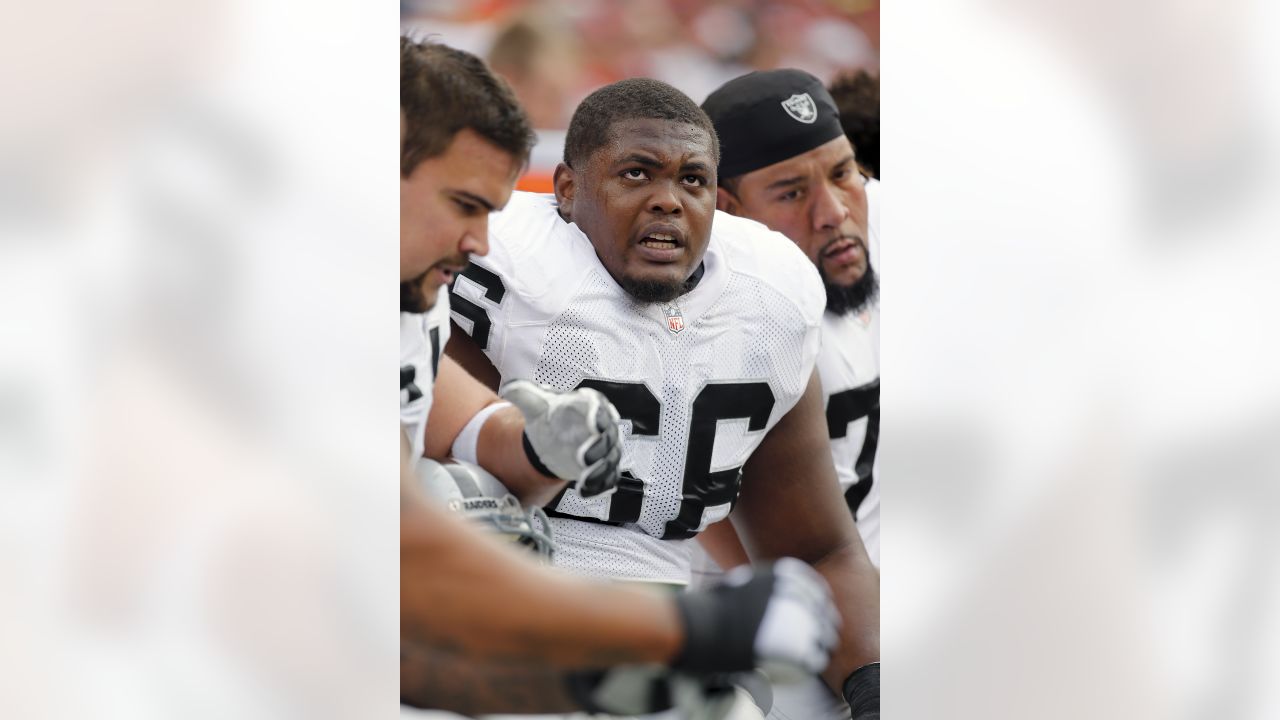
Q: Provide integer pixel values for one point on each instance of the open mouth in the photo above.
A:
(448, 272)
(661, 242)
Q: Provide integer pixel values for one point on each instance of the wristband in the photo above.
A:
(862, 692)
(464, 446)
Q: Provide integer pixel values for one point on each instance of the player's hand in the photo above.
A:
(779, 618)
(573, 435)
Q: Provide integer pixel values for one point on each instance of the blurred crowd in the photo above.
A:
(555, 52)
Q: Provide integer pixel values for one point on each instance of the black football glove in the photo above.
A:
(569, 435)
(778, 618)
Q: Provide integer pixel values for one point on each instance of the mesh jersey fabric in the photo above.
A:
(422, 340)
(849, 368)
(695, 403)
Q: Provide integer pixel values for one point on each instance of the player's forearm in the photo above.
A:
(500, 450)
(461, 589)
(464, 351)
(437, 679)
(458, 398)
(721, 542)
(855, 583)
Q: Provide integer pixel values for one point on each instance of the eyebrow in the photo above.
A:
(482, 202)
(695, 166)
(785, 182)
(639, 159)
(799, 179)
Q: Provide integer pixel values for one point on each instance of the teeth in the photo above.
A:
(662, 236)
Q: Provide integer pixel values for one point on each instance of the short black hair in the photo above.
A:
(857, 95)
(631, 99)
(444, 90)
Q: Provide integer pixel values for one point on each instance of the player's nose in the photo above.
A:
(665, 200)
(476, 240)
(829, 208)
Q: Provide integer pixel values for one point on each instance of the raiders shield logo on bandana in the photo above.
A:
(801, 108)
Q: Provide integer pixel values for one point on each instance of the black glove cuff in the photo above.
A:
(534, 460)
(714, 638)
(862, 692)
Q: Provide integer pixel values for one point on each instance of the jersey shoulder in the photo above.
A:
(528, 214)
(533, 249)
(873, 221)
(750, 248)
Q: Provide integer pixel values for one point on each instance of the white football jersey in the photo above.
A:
(698, 382)
(422, 339)
(849, 367)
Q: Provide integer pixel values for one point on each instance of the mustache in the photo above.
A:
(855, 239)
(459, 260)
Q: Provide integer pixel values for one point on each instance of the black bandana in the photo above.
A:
(766, 117)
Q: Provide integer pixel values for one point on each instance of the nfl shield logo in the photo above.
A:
(675, 323)
(801, 108)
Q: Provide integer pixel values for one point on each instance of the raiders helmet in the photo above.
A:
(473, 493)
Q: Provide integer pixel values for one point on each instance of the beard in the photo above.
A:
(413, 299)
(653, 291)
(844, 300)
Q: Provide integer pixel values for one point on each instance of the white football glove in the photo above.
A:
(569, 435)
(778, 618)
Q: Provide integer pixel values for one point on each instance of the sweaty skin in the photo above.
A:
(818, 200)
(655, 178)
(444, 212)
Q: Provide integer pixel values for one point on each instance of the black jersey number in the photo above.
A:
(494, 291)
(701, 488)
(844, 408)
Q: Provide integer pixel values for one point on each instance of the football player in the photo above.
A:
(786, 162)
(804, 182)
(702, 328)
(475, 613)
(463, 142)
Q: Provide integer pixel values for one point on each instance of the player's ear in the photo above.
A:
(563, 180)
(726, 201)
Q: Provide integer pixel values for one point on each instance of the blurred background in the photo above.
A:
(198, 504)
(556, 52)
(1081, 403)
